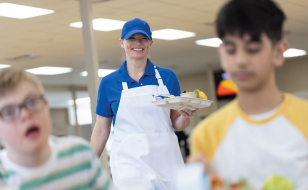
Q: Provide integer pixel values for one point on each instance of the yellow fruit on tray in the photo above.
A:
(201, 94)
(278, 183)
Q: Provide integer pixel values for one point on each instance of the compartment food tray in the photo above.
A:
(181, 103)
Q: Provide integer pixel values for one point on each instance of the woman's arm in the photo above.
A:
(100, 134)
(181, 118)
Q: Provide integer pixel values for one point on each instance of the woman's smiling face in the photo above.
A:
(136, 47)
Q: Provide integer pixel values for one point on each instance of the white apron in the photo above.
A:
(145, 154)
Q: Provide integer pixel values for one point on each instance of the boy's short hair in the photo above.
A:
(10, 78)
(252, 17)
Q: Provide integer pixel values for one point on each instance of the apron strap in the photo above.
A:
(124, 84)
(158, 77)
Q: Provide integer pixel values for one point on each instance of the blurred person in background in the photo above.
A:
(183, 143)
(145, 153)
(264, 131)
(32, 158)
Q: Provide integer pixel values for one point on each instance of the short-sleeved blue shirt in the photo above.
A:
(110, 88)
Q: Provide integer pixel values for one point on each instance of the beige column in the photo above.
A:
(91, 61)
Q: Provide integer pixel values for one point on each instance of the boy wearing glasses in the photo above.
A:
(264, 131)
(32, 158)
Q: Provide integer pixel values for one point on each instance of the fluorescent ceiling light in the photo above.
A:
(211, 42)
(294, 52)
(171, 34)
(79, 101)
(50, 70)
(21, 11)
(102, 24)
(100, 72)
(4, 66)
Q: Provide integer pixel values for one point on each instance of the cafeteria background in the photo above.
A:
(48, 39)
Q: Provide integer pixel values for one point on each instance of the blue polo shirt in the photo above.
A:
(110, 88)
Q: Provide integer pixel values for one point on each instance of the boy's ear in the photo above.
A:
(280, 48)
(220, 53)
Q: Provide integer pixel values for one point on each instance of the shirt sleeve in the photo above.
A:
(176, 85)
(103, 107)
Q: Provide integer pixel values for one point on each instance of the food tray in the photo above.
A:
(180, 103)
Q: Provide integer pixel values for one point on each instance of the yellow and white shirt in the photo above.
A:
(240, 147)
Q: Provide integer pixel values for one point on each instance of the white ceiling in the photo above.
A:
(53, 43)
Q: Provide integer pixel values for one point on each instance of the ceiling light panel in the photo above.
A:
(4, 66)
(211, 42)
(50, 70)
(100, 72)
(294, 52)
(21, 11)
(102, 24)
(172, 34)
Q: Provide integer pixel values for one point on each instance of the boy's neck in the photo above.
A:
(261, 100)
(31, 160)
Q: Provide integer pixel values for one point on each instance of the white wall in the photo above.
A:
(59, 119)
(293, 76)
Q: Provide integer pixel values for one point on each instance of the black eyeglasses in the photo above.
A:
(33, 104)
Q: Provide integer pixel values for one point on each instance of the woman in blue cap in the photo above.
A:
(145, 154)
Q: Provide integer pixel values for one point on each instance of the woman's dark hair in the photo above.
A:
(252, 17)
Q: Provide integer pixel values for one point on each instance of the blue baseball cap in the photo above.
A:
(136, 26)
